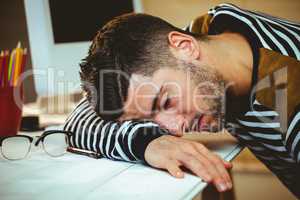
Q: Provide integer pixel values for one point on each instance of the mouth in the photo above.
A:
(197, 123)
(204, 123)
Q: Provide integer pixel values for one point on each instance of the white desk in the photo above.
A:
(40, 177)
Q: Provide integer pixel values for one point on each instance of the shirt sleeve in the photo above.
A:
(126, 141)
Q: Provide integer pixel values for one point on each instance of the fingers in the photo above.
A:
(224, 173)
(174, 169)
(169, 152)
(227, 164)
(197, 166)
(222, 179)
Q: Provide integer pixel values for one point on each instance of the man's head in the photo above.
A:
(140, 66)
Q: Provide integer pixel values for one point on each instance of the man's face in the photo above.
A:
(177, 99)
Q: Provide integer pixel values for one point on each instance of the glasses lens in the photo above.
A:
(15, 148)
(56, 144)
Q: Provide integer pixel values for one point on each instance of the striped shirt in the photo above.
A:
(258, 125)
(125, 141)
(270, 131)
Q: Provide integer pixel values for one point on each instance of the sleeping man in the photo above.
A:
(147, 82)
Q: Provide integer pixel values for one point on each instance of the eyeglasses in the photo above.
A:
(54, 142)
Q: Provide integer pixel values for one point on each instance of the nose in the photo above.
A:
(180, 125)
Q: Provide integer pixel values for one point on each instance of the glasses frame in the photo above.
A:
(2, 138)
(40, 139)
(50, 132)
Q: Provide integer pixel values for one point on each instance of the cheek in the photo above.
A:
(169, 121)
(199, 103)
(184, 102)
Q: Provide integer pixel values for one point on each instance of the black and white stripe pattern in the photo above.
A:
(292, 138)
(272, 33)
(260, 132)
(118, 141)
(259, 129)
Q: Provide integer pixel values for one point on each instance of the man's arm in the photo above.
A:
(142, 141)
(114, 140)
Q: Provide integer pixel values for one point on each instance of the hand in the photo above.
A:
(170, 152)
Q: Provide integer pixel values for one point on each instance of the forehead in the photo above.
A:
(143, 90)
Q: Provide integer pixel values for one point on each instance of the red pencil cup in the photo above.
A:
(11, 100)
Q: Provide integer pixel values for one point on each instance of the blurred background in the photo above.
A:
(251, 179)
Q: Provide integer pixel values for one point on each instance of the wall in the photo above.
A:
(180, 12)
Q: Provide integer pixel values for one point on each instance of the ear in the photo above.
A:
(186, 45)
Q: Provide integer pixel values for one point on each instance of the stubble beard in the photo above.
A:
(210, 87)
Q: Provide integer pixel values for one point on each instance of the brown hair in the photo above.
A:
(131, 43)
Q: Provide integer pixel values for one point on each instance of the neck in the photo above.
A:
(231, 56)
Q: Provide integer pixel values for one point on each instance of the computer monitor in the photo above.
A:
(60, 33)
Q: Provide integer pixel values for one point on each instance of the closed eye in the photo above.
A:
(165, 102)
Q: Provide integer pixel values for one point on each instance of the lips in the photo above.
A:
(203, 123)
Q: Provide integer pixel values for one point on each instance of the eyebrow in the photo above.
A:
(154, 103)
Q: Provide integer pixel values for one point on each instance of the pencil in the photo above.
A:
(17, 68)
(11, 64)
(12, 71)
(22, 64)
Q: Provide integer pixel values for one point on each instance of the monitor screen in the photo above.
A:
(76, 21)
(60, 33)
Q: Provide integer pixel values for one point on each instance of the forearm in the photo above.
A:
(125, 141)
